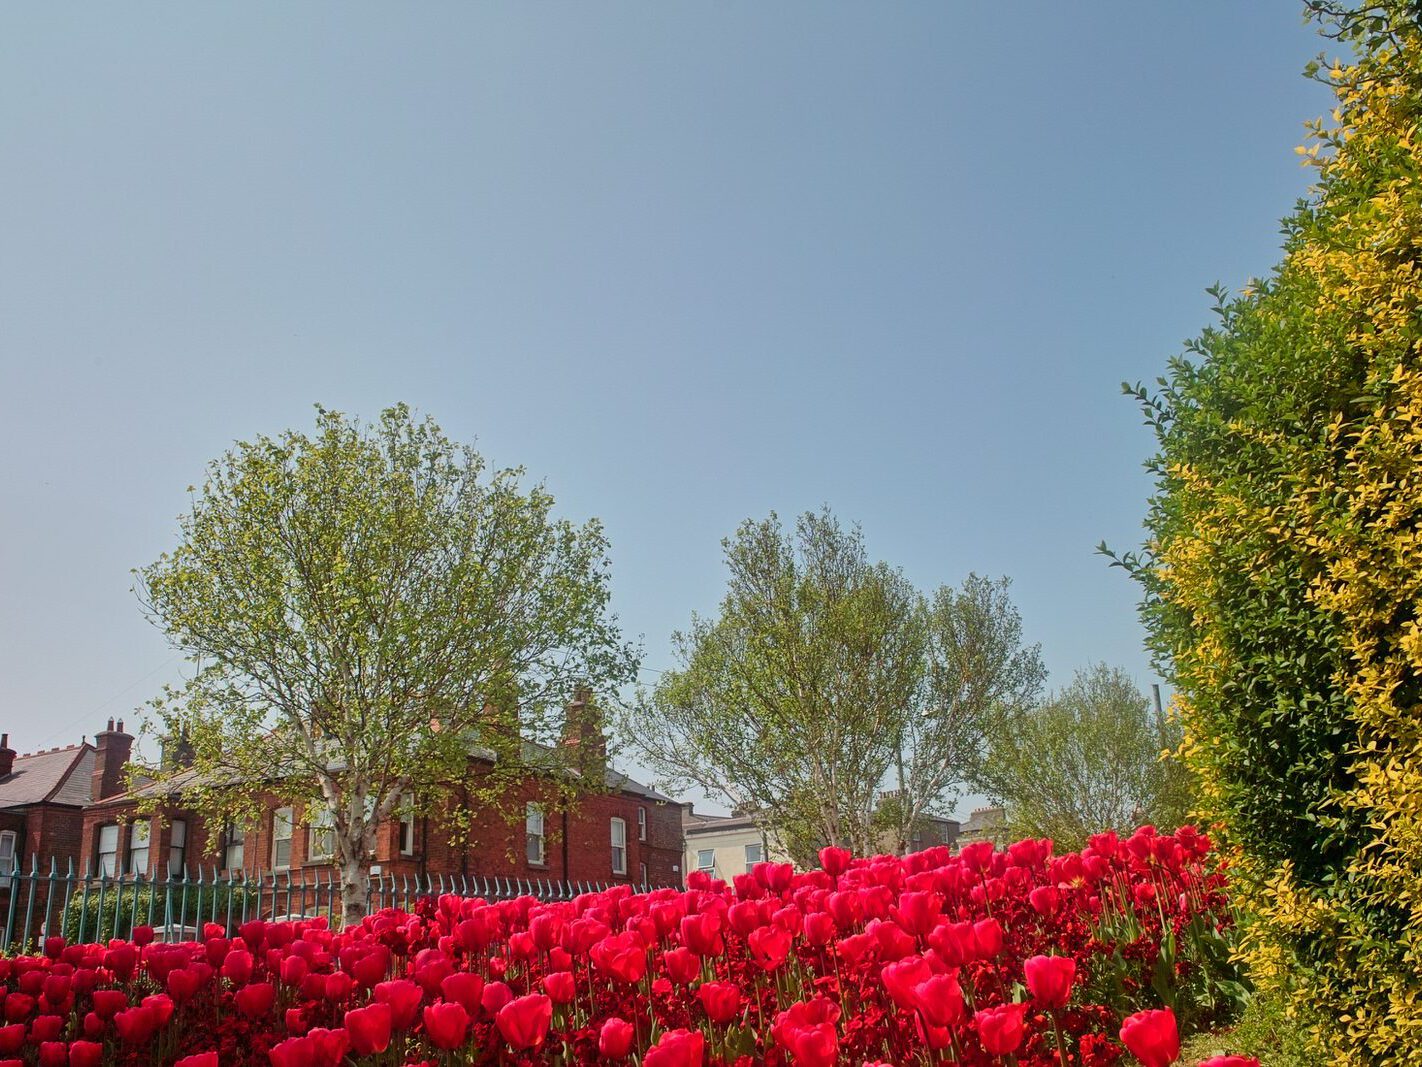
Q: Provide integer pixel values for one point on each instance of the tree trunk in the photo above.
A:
(355, 890)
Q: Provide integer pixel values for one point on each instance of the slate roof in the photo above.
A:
(58, 776)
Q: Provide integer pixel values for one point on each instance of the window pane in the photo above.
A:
(706, 859)
(7, 852)
(179, 835)
(619, 833)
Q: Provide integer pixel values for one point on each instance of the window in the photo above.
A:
(108, 849)
(234, 842)
(643, 882)
(282, 823)
(641, 824)
(9, 861)
(321, 844)
(178, 848)
(619, 846)
(138, 834)
(407, 825)
(706, 860)
(533, 830)
(754, 854)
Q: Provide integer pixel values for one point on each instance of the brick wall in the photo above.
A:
(494, 847)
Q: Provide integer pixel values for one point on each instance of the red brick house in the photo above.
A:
(42, 801)
(626, 833)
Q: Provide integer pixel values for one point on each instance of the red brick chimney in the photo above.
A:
(582, 727)
(114, 747)
(7, 756)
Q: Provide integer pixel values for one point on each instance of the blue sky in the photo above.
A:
(686, 263)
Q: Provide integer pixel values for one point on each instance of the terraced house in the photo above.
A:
(76, 804)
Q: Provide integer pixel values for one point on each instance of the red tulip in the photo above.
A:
(835, 861)
(495, 996)
(1152, 1037)
(940, 999)
(53, 1054)
(624, 956)
(201, 1059)
(614, 1040)
(135, 1025)
(1001, 1029)
(1049, 980)
(464, 988)
(446, 1024)
(524, 1022)
(902, 977)
(701, 933)
(85, 1054)
(722, 1001)
(807, 1032)
(769, 945)
(677, 1048)
(560, 987)
(681, 965)
(404, 998)
(370, 1028)
(255, 1000)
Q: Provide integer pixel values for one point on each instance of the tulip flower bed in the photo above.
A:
(979, 957)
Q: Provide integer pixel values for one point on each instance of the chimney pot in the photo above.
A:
(120, 726)
(111, 724)
(7, 756)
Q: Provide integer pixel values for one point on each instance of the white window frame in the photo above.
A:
(234, 847)
(759, 854)
(407, 825)
(178, 847)
(9, 852)
(619, 846)
(283, 832)
(701, 864)
(643, 882)
(535, 835)
(108, 830)
(321, 827)
(139, 854)
(641, 824)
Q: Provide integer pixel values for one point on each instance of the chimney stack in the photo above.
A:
(582, 729)
(7, 756)
(113, 748)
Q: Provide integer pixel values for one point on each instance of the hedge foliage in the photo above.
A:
(1283, 566)
(166, 907)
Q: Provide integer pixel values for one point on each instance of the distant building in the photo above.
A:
(724, 846)
(984, 824)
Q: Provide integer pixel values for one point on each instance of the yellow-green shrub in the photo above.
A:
(1283, 571)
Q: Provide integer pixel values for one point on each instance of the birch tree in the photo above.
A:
(367, 608)
(787, 703)
(976, 670)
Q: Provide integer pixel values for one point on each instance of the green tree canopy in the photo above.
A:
(826, 682)
(1089, 758)
(367, 608)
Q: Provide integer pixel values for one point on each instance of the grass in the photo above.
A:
(1263, 1031)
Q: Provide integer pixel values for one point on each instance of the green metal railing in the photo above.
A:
(89, 907)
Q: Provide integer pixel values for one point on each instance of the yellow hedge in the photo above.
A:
(1284, 567)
